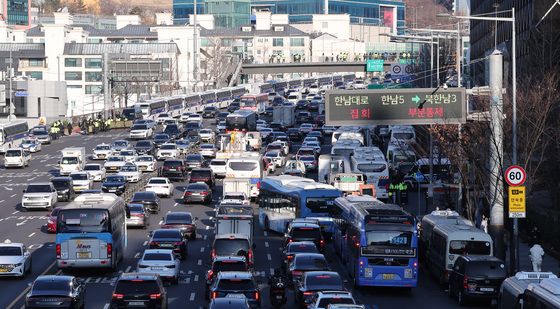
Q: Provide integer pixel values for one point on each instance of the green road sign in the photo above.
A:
(395, 106)
(374, 65)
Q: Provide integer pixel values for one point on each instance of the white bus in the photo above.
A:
(376, 172)
(12, 133)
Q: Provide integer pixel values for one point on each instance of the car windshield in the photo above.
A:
(136, 208)
(229, 265)
(143, 196)
(115, 159)
(40, 132)
(137, 286)
(178, 218)
(120, 144)
(57, 286)
(469, 247)
(115, 179)
(104, 147)
(486, 268)
(27, 142)
(163, 115)
(172, 164)
(143, 144)
(167, 234)
(10, 251)
(207, 146)
(13, 153)
(242, 166)
(145, 159)
(79, 176)
(310, 262)
(161, 136)
(306, 233)
(324, 280)
(127, 153)
(92, 168)
(325, 302)
(197, 187)
(129, 168)
(158, 257)
(193, 158)
(83, 221)
(218, 163)
(403, 135)
(139, 127)
(69, 160)
(201, 174)
(302, 248)
(231, 247)
(60, 183)
(157, 181)
(168, 146)
(272, 154)
(38, 189)
(307, 159)
(372, 167)
(236, 285)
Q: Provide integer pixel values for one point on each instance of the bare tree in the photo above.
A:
(218, 63)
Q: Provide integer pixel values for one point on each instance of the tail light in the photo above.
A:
(322, 243)
(213, 254)
(259, 185)
(109, 250)
(178, 243)
(387, 187)
(154, 243)
(188, 193)
(296, 273)
(465, 282)
(155, 296)
(290, 257)
(307, 293)
(257, 296)
(209, 274)
(250, 256)
(118, 296)
(204, 192)
(58, 249)
(214, 295)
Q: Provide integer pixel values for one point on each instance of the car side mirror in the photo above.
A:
(254, 246)
(151, 233)
(24, 190)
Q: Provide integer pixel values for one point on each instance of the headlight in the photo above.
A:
(103, 187)
(17, 265)
(121, 187)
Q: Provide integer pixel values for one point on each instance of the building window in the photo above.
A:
(297, 42)
(93, 76)
(73, 75)
(278, 42)
(74, 86)
(36, 62)
(73, 62)
(94, 89)
(35, 75)
(93, 63)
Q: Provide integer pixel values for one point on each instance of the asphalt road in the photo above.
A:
(30, 228)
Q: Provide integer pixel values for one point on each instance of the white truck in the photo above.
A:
(73, 160)
(235, 219)
(284, 115)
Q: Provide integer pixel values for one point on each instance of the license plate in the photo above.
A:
(3, 270)
(236, 295)
(157, 268)
(172, 170)
(84, 255)
(112, 190)
(166, 245)
(279, 297)
(388, 276)
(487, 289)
(136, 303)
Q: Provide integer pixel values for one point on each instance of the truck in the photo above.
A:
(73, 160)
(336, 171)
(284, 115)
(235, 219)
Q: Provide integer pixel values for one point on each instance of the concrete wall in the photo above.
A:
(45, 98)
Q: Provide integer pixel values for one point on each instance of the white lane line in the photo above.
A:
(192, 296)
(271, 271)
(13, 195)
(199, 262)
(137, 255)
(175, 205)
(98, 280)
(34, 170)
(207, 227)
(15, 212)
(2, 201)
(31, 235)
(127, 269)
(269, 257)
(202, 249)
(265, 233)
(11, 305)
(145, 243)
(160, 222)
(195, 278)
(204, 237)
(188, 281)
(106, 306)
(266, 244)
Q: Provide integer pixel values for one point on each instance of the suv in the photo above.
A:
(17, 157)
(476, 277)
(202, 175)
(139, 289)
(224, 263)
(237, 283)
(39, 195)
(304, 231)
(145, 147)
(323, 299)
(173, 169)
(232, 245)
(64, 187)
(209, 112)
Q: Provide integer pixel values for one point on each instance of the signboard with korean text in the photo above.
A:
(374, 65)
(517, 206)
(412, 106)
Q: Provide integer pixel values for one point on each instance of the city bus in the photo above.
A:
(12, 133)
(241, 120)
(284, 198)
(377, 242)
(223, 97)
(153, 107)
(91, 232)
(175, 106)
(254, 102)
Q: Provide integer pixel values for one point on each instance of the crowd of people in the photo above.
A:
(83, 125)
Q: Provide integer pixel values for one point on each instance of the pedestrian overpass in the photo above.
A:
(307, 67)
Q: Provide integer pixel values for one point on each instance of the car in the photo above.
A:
(229, 303)
(162, 262)
(237, 196)
(294, 134)
(149, 199)
(52, 220)
(269, 165)
(114, 184)
(303, 262)
(295, 168)
(296, 247)
(139, 290)
(285, 142)
(277, 126)
(173, 169)
(209, 112)
(17, 157)
(221, 126)
(306, 151)
(30, 144)
(302, 104)
(64, 187)
(207, 135)
(328, 130)
(232, 245)
(192, 127)
(316, 281)
(81, 181)
(305, 231)
(139, 216)
(208, 150)
(304, 117)
(224, 263)
(119, 145)
(183, 146)
(314, 104)
(149, 122)
(160, 139)
(63, 291)
(277, 100)
(114, 163)
(161, 118)
(194, 161)
(194, 117)
(317, 132)
(95, 170)
(310, 138)
(167, 151)
(276, 156)
(204, 175)
(322, 299)
(221, 116)
(233, 106)
(140, 131)
(15, 259)
(184, 116)
(319, 120)
(146, 163)
(181, 220)
(169, 122)
(169, 239)
(41, 134)
(145, 147)
(197, 192)
(101, 152)
(236, 283)
(131, 172)
(129, 155)
(218, 166)
(315, 145)
(310, 163)
(305, 128)
(265, 132)
(161, 186)
(39, 195)
(268, 111)
(476, 277)
(174, 131)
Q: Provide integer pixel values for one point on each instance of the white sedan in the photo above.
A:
(131, 172)
(95, 170)
(101, 152)
(161, 262)
(128, 154)
(114, 163)
(140, 131)
(82, 181)
(15, 259)
(208, 150)
(146, 163)
(167, 151)
(160, 186)
(206, 135)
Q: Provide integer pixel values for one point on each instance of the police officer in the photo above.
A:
(95, 126)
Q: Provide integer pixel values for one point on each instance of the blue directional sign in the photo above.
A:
(374, 65)
(419, 176)
(21, 94)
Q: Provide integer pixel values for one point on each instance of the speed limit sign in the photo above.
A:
(515, 175)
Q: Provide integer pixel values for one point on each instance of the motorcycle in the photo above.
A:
(278, 286)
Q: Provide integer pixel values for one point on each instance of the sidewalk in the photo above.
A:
(549, 263)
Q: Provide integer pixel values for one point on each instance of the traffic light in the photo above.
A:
(454, 6)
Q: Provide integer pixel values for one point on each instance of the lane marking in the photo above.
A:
(21, 223)
(106, 306)
(207, 227)
(127, 269)
(204, 237)
(160, 222)
(145, 243)
(269, 257)
(188, 281)
(13, 195)
(196, 278)
(266, 244)
(175, 205)
(265, 233)
(202, 249)
(271, 271)
(98, 280)
(137, 255)
(199, 262)
(31, 235)
(2, 201)
(192, 296)
(15, 212)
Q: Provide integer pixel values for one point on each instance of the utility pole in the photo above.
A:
(106, 88)
(11, 72)
(195, 48)
(496, 224)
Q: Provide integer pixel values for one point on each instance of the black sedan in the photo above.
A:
(316, 281)
(181, 220)
(237, 282)
(145, 147)
(64, 188)
(147, 198)
(197, 192)
(194, 161)
(302, 104)
(114, 184)
(57, 291)
(169, 239)
(160, 139)
(304, 262)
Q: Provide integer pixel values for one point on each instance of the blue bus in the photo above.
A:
(284, 198)
(91, 232)
(377, 242)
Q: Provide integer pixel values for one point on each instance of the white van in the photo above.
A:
(376, 172)
(17, 157)
(402, 135)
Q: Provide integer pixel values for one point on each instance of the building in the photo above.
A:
(16, 12)
(538, 36)
(388, 13)
(230, 13)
